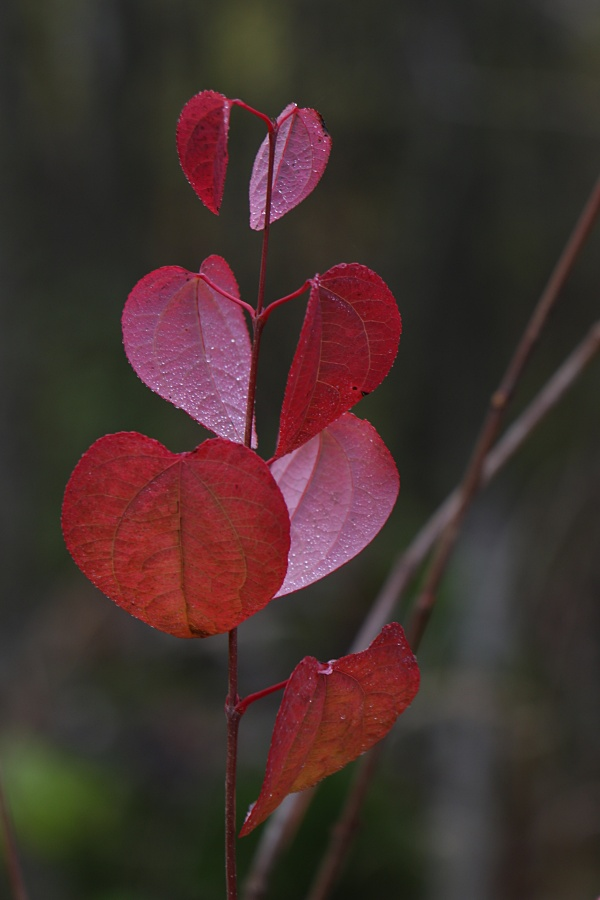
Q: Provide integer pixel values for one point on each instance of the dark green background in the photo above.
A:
(466, 137)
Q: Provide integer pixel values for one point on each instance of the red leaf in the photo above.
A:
(332, 713)
(340, 488)
(202, 132)
(191, 345)
(191, 543)
(302, 148)
(347, 345)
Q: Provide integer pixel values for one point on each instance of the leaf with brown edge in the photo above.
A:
(190, 543)
(302, 148)
(202, 133)
(340, 488)
(347, 345)
(190, 344)
(331, 713)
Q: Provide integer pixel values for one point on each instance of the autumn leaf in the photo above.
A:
(202, 133)
(191, 345)
(331, 713)
(302, 148)
(347, 345)
(340, 488)
(190, 543)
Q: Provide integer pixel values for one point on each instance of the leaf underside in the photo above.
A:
(331, 713)
(302, 148)
(190, 543)
(190, 344)
(340, 488)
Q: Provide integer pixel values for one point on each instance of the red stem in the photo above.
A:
(255, 112)
(259, 321)
(233, 723)
(243, 705)
(226, 294)
(232, 710)
(267, 312)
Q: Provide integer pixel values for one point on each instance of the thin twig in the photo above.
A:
(15, 873)
(498, 405)
(407, 564)
(485, 463)
(346, 827)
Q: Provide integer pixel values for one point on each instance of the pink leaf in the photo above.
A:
(347, 345)
(302, 150)
(340, 488)
(202, 132)
(190, 543)
(332, 713)
(191, 345)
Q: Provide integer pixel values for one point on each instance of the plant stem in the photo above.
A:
(232, 709)
(226, 294)
(346, 826)
(259, 321)
(267, 227)
(267, 312)
(495, 415)
(233, 722)
(252, 698)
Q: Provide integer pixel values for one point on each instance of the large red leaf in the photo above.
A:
(202, 132)
(191, 345)
(347, 345)
(302, 148)
(340, 488)
(191, 543)
(331, 713)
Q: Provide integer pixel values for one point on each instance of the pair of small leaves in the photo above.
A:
(301, 153)
(194, 543)
(190, 344)
(332, 713)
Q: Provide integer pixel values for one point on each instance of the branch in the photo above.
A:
(515, 436)
(493, 421)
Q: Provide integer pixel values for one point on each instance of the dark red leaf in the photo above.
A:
(302, 150)
(331, 713)
(191, 543)
(202, 132)
(191, 345)
(340, 488)
(347, 345)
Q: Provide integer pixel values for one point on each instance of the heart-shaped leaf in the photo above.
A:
(191, 345)
(302, 148)
(331, 713)
(202, 132)
(340, 488)
(191, 543)
(347, 345)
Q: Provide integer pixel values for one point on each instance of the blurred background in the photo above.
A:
(466, 138)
